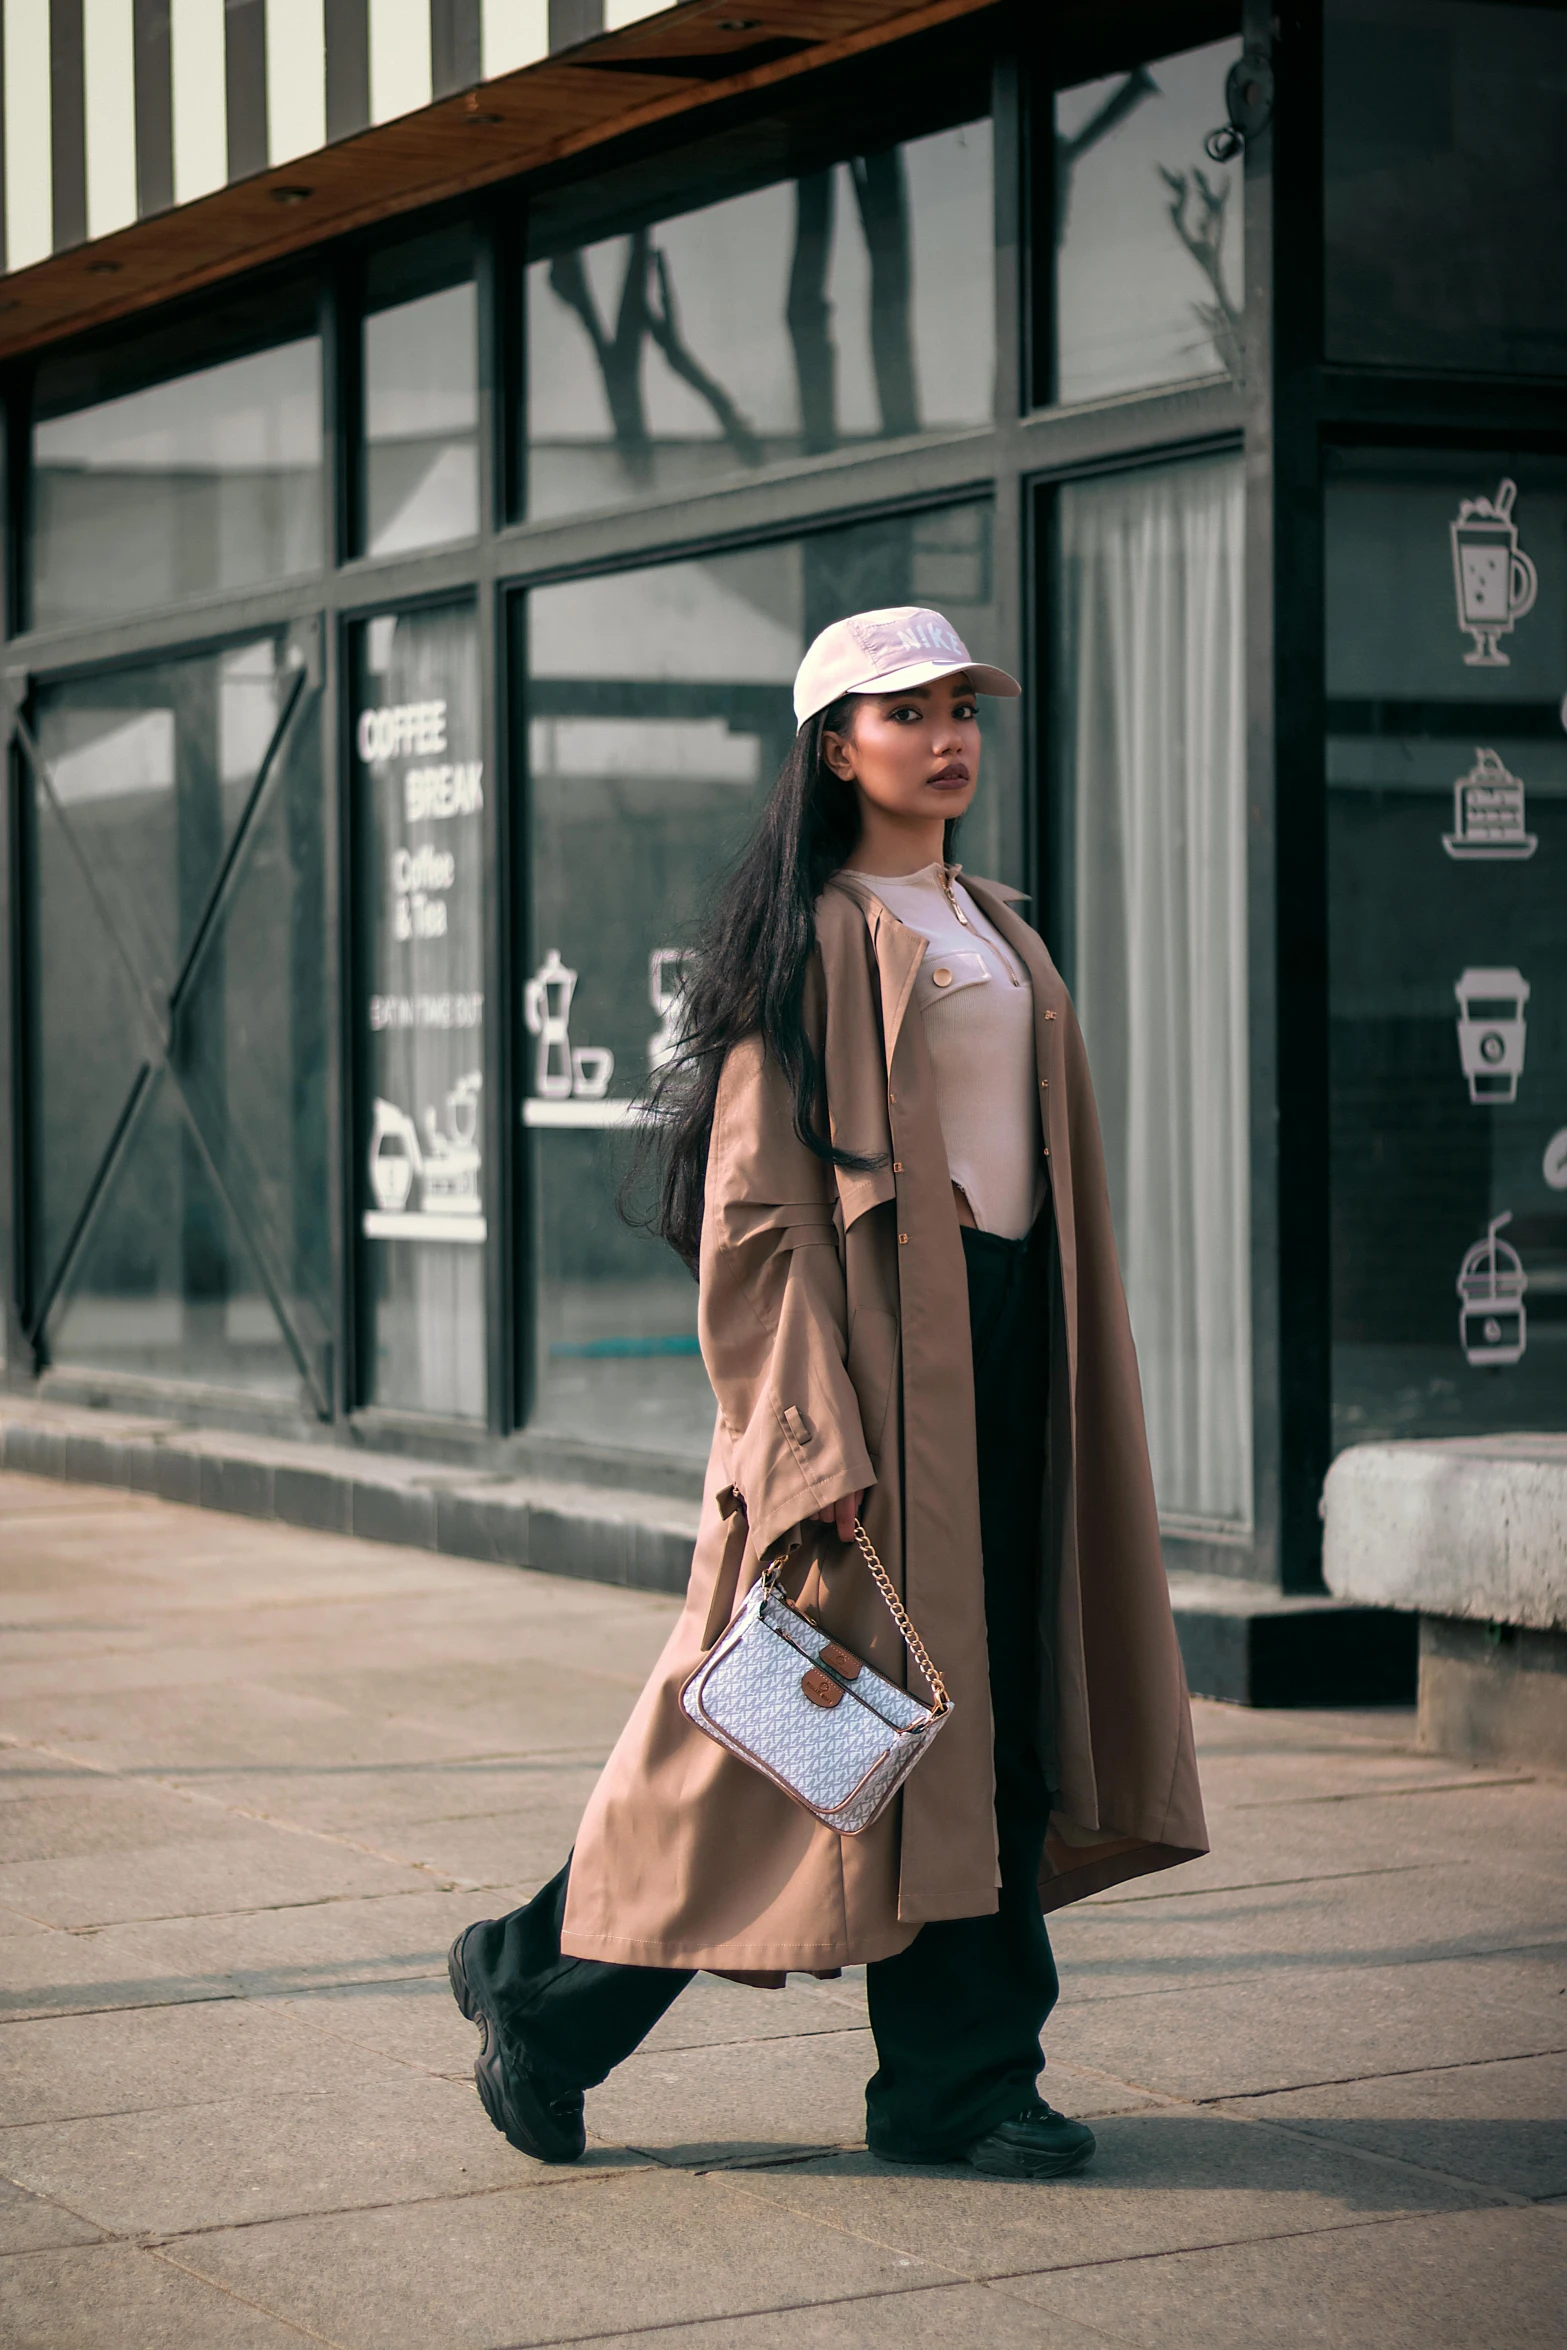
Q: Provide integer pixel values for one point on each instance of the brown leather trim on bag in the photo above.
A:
(840, 1660)
(820, 1689)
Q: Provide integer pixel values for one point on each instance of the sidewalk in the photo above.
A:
(252, 1781)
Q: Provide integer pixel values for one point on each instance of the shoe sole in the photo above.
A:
(1026, 2166)
(1017, 2165)
(489, 2079)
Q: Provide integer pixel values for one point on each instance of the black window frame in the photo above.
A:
(1291, 406)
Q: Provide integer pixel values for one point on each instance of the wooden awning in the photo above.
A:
(663, 67)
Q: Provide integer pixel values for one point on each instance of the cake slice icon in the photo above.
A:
(1488, 814)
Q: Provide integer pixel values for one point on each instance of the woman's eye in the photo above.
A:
(965, 709)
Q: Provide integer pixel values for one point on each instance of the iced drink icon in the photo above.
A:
(1492, 1328)
(1491, 1032)
(1495, 581)
(1488, 814)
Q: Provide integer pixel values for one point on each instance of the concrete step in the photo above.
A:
(1251, 1645)
(563, 1528)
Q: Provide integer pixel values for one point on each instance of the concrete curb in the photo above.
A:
(592, 1533)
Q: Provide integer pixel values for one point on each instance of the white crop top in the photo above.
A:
(978, 1007)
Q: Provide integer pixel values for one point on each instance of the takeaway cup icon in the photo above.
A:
(1495, 581)
(1491, 1032)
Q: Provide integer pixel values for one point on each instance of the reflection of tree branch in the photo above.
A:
(1204, 241)
(882, 195)
(664, 327)
(1138, 85)
(620, 355)
(808, 312)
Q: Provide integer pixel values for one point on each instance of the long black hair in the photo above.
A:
(746, 976)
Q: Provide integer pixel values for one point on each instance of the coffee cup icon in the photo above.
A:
(1495, 581)
(1492, 1031)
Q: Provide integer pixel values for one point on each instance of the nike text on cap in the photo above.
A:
(881, 652)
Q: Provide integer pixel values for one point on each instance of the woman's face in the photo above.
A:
(914, 755)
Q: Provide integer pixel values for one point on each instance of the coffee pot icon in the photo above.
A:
(1495, 581)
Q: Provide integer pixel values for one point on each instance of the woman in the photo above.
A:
(883, 1159)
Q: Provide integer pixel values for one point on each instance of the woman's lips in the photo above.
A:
(951, 777)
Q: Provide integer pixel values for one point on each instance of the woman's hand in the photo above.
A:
(842, 1514)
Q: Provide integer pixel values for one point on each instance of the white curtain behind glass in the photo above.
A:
(1153, 743)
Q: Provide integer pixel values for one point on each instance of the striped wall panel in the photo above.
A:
(114, 109)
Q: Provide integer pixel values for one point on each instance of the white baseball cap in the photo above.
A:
(880, 652)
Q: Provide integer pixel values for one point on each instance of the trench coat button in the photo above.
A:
(891, 1096)
(1050, 1015)
(897, 1166)
(941, 976)
(903, 1240)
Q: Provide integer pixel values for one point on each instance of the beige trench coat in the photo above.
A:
(833, 1313)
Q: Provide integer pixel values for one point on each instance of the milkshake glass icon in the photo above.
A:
(1496, 583)
(1492, 1327)
(1491, 1032)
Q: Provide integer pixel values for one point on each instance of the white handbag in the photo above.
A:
(807, 1713)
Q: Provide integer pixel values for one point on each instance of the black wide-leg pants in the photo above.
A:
(957, 2016)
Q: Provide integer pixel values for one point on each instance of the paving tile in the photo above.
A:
(1161, 2181)
(85, 1814)
(519, 1707)
(1496, 2125)
(414, 2022)
(710, 2010)
(935, 2318)
(697, 2106)
(384, 1802)
(1420, 1913)
(120, 2294)
(397, 2137)
(255, 1953)
(1482, 2280)
(1291, 2026)
(30, 2224)
(578, 2258)
(66, 2068)
(250, 1866)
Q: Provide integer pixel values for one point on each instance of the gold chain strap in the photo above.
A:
(900, 1616)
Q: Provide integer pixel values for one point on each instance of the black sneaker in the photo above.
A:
(551, 2129)
(1038, 2144)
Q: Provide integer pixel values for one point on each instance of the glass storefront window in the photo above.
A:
(178, 1027)
(420, 870)
(1447, 844)
(850, 305)
(1149, 264)
(1151, 792)
(206, 481)
(421, 397)
(658, 712)
(1445, 122)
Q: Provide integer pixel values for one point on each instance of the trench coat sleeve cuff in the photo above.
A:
(787, 1471)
